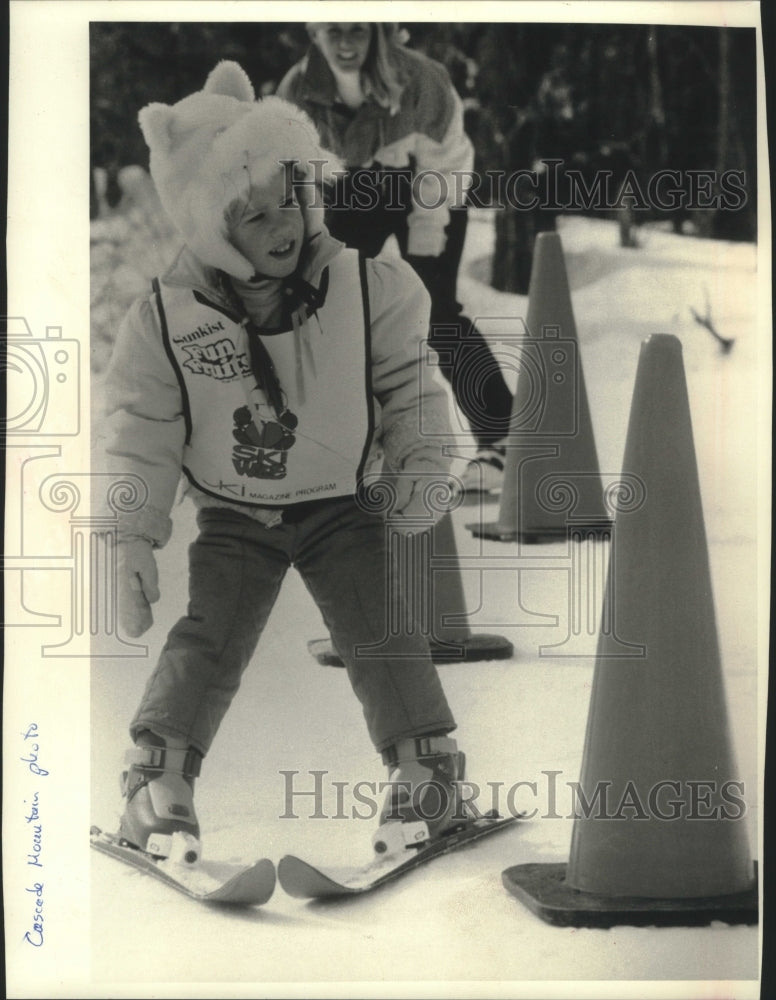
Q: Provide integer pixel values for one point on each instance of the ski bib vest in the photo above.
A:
(238, 448)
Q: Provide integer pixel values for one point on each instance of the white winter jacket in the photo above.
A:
(144, 432)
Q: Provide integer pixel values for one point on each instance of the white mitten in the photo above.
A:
(138, 585)
(421, 500)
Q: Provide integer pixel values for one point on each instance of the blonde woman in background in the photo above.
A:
(395, 120)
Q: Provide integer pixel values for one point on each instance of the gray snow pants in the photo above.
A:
(236, 567)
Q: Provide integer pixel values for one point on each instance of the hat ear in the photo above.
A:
(155, 123)
(230, 79)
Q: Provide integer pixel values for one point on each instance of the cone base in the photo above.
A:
(495, 532)
(542, 888)
(471, 649)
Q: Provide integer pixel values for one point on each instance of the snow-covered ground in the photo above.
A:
(451, 929)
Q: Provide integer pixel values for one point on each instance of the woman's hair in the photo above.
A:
(381, 70)
(381, 74)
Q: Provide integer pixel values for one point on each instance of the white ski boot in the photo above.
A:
(159, 815)
(423, 801)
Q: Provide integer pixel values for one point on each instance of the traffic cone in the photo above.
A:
(430, 578)
(552, 479)
(658, 833)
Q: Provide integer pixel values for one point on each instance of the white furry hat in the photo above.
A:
(211, 147)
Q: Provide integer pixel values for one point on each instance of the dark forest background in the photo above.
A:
(600, 97)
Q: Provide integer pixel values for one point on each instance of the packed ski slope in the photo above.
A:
(450, 928)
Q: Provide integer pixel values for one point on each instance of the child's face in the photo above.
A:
(270, 229)
(344, 44)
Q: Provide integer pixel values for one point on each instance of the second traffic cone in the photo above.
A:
(430, 579)
(552, 480)
(659, 834)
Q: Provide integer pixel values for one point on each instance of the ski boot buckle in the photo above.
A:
(179, 847)
(396, 836)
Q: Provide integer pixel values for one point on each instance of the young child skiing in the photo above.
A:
(271, 366)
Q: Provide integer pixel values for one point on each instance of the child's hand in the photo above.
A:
(421, 501)
(138, 586)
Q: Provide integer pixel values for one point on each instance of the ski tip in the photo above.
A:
(265, 868)
(287, 865)
(253, 886)
(304, 881)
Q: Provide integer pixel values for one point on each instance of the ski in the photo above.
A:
(207, 881)
(305, 881)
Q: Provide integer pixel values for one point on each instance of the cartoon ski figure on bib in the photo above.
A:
(263, 440)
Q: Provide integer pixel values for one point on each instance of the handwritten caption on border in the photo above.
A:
(33, 818)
